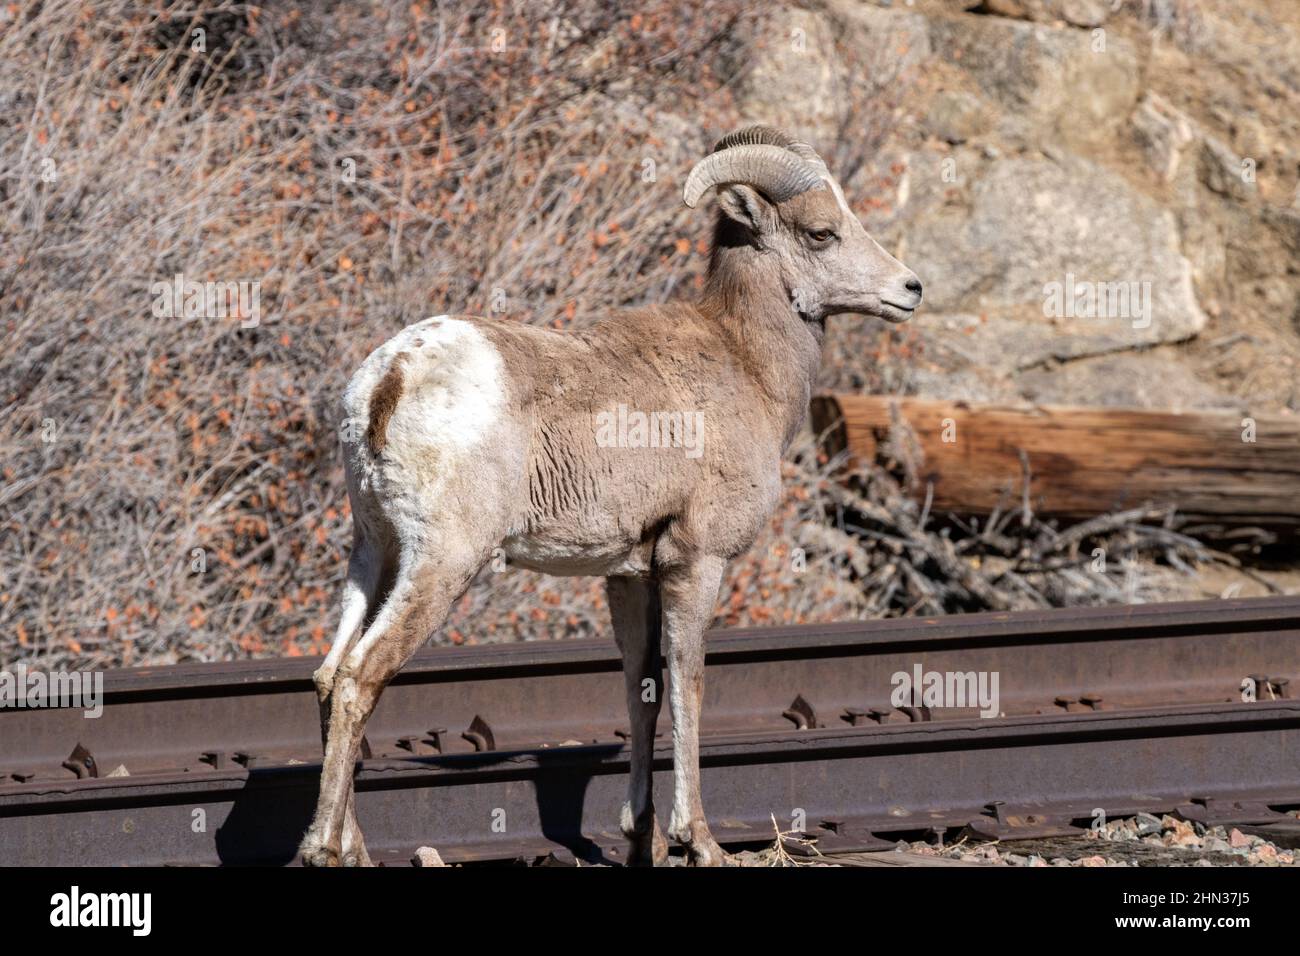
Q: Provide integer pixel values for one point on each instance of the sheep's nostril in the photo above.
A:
(914, 286)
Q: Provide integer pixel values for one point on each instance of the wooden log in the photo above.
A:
(1084, 461)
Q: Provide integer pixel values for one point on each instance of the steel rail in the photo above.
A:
(850, 786)
(167, 718)
(189, 728)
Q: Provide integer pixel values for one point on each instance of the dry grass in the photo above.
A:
(171, 487)
(499, 167)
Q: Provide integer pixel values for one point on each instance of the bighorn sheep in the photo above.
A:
(474, 434)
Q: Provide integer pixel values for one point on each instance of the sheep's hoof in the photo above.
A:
(357, 857)
(319, 856)
(704, 851)
(659, 848)
(647, 849)
(701, 848)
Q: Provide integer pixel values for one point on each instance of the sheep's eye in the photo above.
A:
(820, 235)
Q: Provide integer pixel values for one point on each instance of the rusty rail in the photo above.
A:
(1112, 708)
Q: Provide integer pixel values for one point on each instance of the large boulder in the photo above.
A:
(797, 78)
(1069, 84)
(1038, 260)
(1126, 379)
(896, 41)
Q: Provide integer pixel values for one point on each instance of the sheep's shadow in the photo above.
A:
(268, 817)
(273, 809)
(561, 790)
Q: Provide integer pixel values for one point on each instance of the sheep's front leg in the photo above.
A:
(634, 608)
(689, 593)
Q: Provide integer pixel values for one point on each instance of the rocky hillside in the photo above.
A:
(1151, 143)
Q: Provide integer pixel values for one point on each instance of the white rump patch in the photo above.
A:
(452, 389)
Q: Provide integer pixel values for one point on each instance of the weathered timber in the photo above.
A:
(1082, 461)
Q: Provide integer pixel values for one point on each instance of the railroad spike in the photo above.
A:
(81, 762)
(855, 716)
(216, 759)
(996, 808)
(801, 713)
(480, 735)
(435, 734)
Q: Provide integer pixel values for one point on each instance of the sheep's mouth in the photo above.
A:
(892, 312)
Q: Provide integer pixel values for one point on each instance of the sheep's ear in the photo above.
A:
(744, 204)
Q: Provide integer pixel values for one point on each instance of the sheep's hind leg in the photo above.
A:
(634, 609)
(418, 603)
(360, 592)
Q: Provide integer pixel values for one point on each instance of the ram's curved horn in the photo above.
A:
(810, 154)
(771, 136)
(758, 135)
(774, 171)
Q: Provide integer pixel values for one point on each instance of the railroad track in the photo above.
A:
(515, 751)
